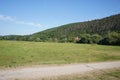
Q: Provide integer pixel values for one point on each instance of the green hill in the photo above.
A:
(93, 31)
(100, 26)
(69, 31)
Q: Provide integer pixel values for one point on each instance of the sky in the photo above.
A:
(24, 17)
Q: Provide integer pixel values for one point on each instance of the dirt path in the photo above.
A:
(41, 72)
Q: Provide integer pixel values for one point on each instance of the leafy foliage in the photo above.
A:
(111, 39)
(87, 38)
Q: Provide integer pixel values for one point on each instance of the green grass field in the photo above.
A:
(14, 53)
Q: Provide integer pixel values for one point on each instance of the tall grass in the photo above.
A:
(14, 53)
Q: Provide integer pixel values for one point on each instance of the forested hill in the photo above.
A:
(103, 31)
(98, 26)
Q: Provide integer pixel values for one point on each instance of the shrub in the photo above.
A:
(112, 38)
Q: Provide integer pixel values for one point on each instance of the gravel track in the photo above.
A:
(29, 73)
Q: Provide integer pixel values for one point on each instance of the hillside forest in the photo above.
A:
(105, 31)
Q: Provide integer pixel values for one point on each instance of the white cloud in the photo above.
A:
(6, 18)
(11, 19)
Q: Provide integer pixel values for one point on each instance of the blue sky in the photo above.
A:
(23, 17)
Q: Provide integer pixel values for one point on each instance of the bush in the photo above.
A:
(112, 38)
(87, 38)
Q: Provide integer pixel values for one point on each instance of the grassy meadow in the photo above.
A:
(20, 53)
